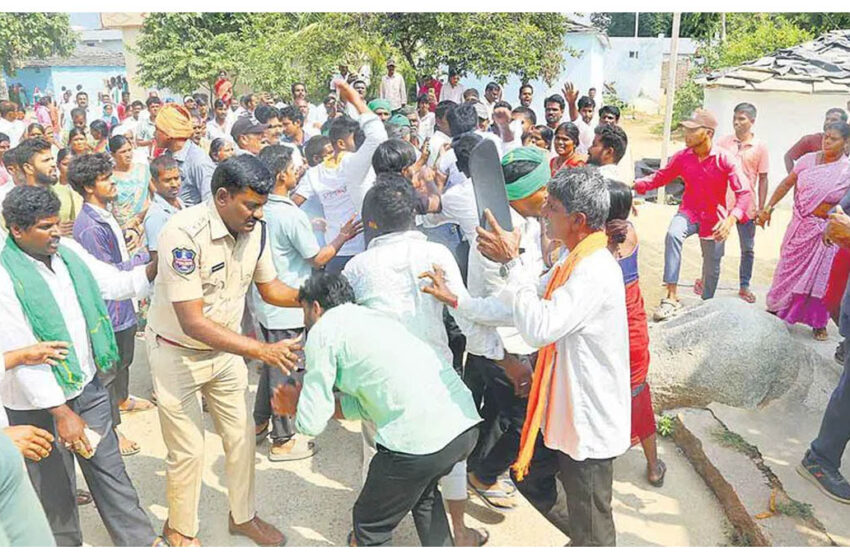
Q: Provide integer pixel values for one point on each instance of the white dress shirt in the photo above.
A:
(216, 130)
(452, 93)
(458, 206)
(426, 126)
(585, 135)
(393, 90)
(385, 277)
(34, 387)
(590, 417)
(14, 130)
(484, 280)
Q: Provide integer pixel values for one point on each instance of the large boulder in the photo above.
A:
(725, 350)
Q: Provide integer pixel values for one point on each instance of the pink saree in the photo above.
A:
(802, 274)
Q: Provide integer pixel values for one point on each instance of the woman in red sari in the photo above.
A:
(566, 143)
(623, 244)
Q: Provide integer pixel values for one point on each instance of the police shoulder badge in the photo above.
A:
(184, 260)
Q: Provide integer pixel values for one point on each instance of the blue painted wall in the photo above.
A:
(90, 77)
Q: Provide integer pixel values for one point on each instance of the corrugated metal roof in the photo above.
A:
(818, 66)
(83, 55)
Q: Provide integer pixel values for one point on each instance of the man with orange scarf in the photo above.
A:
(579, 408)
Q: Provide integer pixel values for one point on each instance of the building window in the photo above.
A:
(633, 54)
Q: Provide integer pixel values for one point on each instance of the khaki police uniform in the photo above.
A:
(200, 259)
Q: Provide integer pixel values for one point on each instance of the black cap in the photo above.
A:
(245, 125)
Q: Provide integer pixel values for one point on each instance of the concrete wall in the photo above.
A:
(90, 77)
(585, 71)
(29, 78)
(633, 67)
(783, 117)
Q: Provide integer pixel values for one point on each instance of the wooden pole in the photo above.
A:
(671, 94)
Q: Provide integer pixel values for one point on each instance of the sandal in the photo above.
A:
(301, 449)
(261, 435)
(660, 481)
(820, 334)
(746, 295)
(494, 497)
(83, 498)
(666, 309)
(136, 404)
(129, 450)
(698, 286)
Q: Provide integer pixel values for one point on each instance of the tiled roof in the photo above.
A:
(818, 66)
(82, 56)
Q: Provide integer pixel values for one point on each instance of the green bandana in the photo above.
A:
(400, 120)
(46, 320)
(528, 184)
(379, 104)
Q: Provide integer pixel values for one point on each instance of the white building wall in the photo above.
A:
(633, 67)
(783, 117)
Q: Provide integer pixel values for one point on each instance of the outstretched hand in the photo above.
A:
(438, 288)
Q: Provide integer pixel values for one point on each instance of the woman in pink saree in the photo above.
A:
(800, 280)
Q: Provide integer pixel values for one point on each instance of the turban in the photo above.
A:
(174, 120)
(224, 87)
(533, 181)
(379, 104)
(400, 120)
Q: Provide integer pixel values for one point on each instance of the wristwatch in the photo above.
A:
(506, 268)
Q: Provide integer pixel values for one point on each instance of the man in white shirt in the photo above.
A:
(581, 115)
(341, 181)
(580, 325)
(526, 95)
(606, 151)
(427, 120)
(453, 89)
(219, 126)
(609, 114)
(61, 271)
(9, 123)
(393, 88)
(492, 94)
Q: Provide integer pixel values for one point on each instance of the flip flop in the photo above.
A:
(747, 296)
(261, 435)
(131, 452)
(302, 449)
(660, 482)
(666, 309)
(491, 494)
(83, 498)
(137, 404)
(698, 286)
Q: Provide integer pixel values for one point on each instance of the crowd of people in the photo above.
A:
(341, 247)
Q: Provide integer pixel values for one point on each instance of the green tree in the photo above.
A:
(181, 51)
(32, 35)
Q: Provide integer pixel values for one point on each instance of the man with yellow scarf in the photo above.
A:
(578, 416)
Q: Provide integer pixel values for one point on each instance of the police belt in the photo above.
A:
(178, 345)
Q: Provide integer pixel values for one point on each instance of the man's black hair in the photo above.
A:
(241, 172)
(747, 108)
(76, 112)
(327, 288)
(471, 91)
(492, 86)
(10, 158)
(24, 206)
(423, 99)
(393, 156)
(502, 103)
(136, 103)
(524, 86)
(265, 113)
(585, 101)
(153, 101)
(525, 112)
(4, 137)
(7, 107)
(462, 118)
(463, 146)
(392, 202)
(219, 104)
(842, 114)
(555, 98)
(292, 87)
(614, 137)
(341, 127)
(611, 110)
(162, 163)
(314, 146)
(84, 170)
(292, 113)
(276, 158)
(27, 149)
(443, 107)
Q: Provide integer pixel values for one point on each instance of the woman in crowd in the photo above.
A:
(70, 199)
(100, 134)
(540, 136)
(5, 177)
(78, 143)
(221, 149)
(801, 276)
(566, 143)
(623, 244)
(132, 179)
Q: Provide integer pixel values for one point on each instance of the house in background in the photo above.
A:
(791, 89)
(88, 66)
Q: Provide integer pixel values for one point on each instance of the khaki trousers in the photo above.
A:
(180, 376)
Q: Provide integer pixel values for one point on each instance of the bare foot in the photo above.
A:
(471, 537)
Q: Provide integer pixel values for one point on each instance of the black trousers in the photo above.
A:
(398, 483)
(55, 481)
(507, 415)
(117, 380)
(283, 427)
(581, 505)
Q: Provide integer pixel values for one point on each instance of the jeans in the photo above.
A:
(283, 427)
(712, 253)
(747, 238)
(834, 433)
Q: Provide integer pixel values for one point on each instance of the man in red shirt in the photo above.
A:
(751, 155)
(708, 172)
(812, 142)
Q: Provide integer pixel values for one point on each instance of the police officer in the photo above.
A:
(208, 256)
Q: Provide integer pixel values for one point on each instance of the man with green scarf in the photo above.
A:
(504, 383)
(381, 107)
(52, 289)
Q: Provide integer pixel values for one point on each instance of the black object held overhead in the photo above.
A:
(488, 182)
